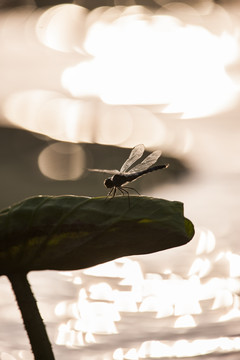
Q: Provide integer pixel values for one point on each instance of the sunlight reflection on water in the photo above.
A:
(128, 58)
(177, 297)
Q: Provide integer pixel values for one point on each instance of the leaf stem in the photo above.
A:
(41, 346)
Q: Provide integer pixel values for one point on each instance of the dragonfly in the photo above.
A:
(126, 174)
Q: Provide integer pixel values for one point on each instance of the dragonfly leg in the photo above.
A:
(122, 190)
(109, 194)
(128, 187)
(114, 192)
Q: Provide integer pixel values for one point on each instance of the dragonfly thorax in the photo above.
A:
(115, 181)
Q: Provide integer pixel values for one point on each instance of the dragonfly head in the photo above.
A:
(108, 183)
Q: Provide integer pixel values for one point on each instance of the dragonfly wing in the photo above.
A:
(147, 162)
(111, 172)
(135, 154)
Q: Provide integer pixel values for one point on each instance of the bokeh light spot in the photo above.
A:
(62, 161)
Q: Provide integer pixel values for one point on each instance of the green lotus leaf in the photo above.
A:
(72, 232)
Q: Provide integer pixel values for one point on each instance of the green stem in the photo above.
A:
(41, 346)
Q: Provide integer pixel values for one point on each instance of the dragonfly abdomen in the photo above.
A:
(134, 176)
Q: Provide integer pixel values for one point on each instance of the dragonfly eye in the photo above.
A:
(108, 183)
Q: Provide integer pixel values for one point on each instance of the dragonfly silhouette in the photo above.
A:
(125, 176)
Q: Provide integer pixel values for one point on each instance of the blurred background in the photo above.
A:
(82, 83)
